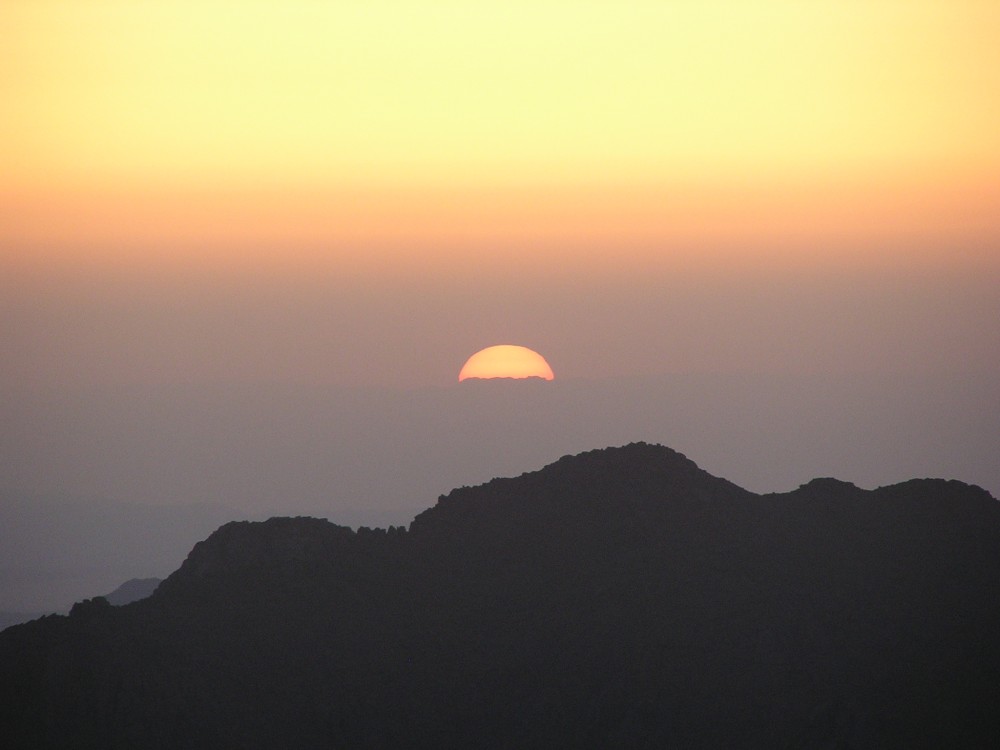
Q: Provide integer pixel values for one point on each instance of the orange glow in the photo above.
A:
(394, 133)
(666, 227)
(506, 361)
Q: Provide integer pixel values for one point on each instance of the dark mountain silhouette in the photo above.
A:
(619, 598)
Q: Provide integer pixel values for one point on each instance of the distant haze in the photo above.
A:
(94, 327)
(377, 456)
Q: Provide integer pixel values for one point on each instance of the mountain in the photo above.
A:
(618, 598)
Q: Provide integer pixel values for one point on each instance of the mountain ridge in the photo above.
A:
(620, 597)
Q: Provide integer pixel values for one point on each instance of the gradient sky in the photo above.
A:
(428, 135)
(368, 193)
(246, 246)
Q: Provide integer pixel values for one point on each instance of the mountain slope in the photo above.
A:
(622, 597)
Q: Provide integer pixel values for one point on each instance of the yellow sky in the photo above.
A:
(133, 127)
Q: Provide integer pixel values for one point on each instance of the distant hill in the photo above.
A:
(132, 591)
(619, 598)
(57, 550)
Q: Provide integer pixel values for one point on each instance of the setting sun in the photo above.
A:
(506, 361)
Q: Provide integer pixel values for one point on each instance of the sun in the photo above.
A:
(506, 361)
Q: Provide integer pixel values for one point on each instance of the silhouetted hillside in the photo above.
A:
(619, 598)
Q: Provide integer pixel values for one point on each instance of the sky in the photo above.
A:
(403, 137)
(310, 214)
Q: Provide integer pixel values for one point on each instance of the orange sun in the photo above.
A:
(506, 361)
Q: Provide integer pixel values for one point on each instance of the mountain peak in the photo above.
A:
(276, 543)
(633, 458)
(605, 485)
(632, 463)
(828, 486)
